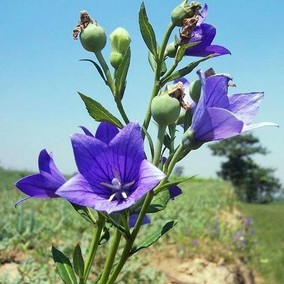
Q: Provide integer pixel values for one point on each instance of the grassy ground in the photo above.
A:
(209, 225)
(269, 227)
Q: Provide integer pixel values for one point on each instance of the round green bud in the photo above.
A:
(115, 59)
(195, 90)
(184, 11)
(120, 42)
(165, 109)
(93, 38)
(171, 50)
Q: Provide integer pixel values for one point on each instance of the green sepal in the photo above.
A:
(98, 69)
(153, 64)
(98, 112)
(151, 239)
(181, 50)
(184, 71)
(105, 236)
(78, 261)
(64, 267)
(83, 211)
(121, 74)
(147, 31)
(187, 120)
(111, 220)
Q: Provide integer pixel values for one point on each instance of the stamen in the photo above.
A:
(124, 194)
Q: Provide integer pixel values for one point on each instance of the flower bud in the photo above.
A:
(93, 38)
(171, 50)
(184, 11)
(195, 90)
(120, 42)
(166, 106)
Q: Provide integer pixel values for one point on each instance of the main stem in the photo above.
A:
(111, 257)
(129, 242)
(93, 247)
(156, 86)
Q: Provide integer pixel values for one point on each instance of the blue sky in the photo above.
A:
(40, 73)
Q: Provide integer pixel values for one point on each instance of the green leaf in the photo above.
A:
(64, 267)
(147, 31)
(184, 71)
(98, 112)
(121, 74)
(78, 261)
(149, 240)
(159, 202)
(97, 67)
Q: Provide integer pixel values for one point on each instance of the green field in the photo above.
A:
(210, 225)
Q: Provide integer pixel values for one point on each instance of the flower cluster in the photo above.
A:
(116, 180)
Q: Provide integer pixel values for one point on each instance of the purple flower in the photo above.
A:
(113, 171)
(45, 183)
(133, 218)
(204, 34)
(220, 116)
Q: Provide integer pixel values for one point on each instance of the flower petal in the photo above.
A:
(90, 156)
(127, 152)
(106, 132)
(48, 169)
(258, 125)
(37, 186)
(216, 124)
(45, 183)
(203, 15)
(216, 50)
(149, 177)
(245, 106)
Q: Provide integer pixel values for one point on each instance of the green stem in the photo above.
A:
(169, 72)
(111, 257)
(175, 159)
(159, 144)
(93, 247)
(106, 71)
(122, 111)
(156, 86)
(129, 242)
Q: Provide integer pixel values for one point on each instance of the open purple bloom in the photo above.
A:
(220, 116)
(45, 183)
(204, 34)
(114, 174)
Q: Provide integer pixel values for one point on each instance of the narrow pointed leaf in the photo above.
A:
(147, 31)
(97, 67)
(151, 239)
(184, 71)
(78, 261)
(121, 74)
(64, 267)
(98, 112)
